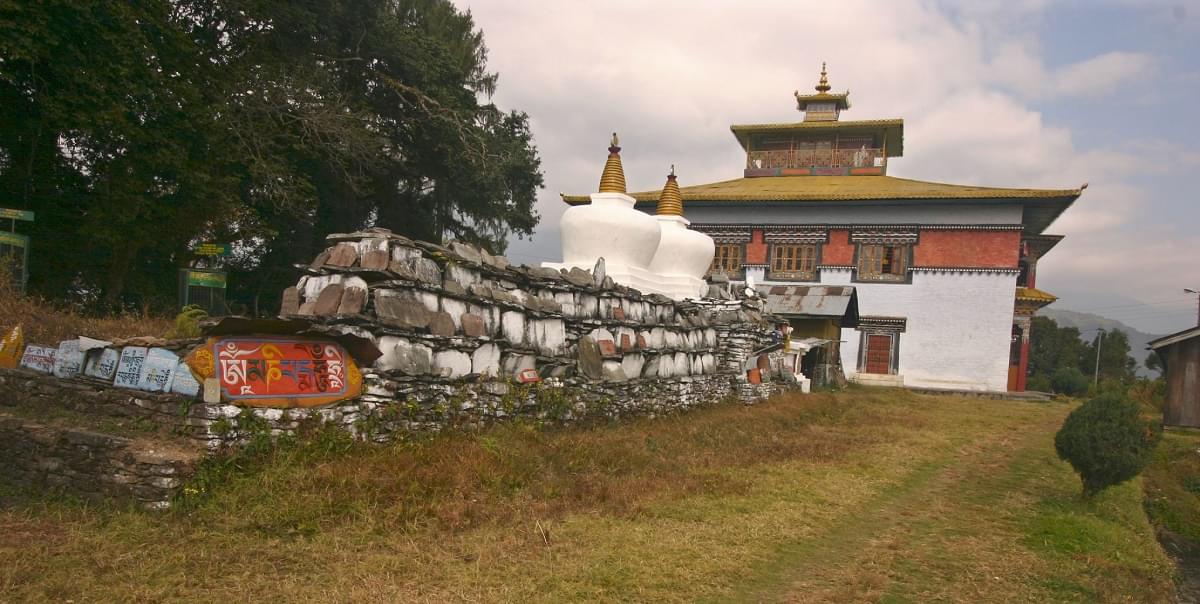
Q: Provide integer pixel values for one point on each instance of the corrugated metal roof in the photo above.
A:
(814, 301)
(1175, 338)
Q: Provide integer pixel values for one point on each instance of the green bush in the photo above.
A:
(1069, 381)
(1107, 441)
(1039, 383)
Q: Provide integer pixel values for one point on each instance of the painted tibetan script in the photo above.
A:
(282, 372)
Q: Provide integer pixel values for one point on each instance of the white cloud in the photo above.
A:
(672, 76)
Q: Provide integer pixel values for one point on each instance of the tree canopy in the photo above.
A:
(136, 130)
(1054, 348)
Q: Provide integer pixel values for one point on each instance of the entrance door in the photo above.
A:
(879, 354)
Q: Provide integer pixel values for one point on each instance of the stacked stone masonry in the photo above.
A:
(465, 339)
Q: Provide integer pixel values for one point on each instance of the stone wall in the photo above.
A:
(91, 464)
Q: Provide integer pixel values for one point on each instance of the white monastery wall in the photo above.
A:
(958, 331)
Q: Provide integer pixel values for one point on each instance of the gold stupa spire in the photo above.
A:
(613, 179)
(823, 86)
(670, 202)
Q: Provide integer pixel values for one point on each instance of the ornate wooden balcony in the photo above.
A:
(816, 158)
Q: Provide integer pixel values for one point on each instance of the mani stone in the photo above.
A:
(486, 360)
(626, 343)
(608, 348)
(291, 302)
(328, 300)
(129, 366)
(102, 364)
(405, 313)
(343, 254)
(451, 363)
(320, 260)
(68, 359)
(377, 256)
(591, 362)
(441, 324)
(39, 358)
(473, 326)
(353, 301)
(614, 372)
(185, 383)
(618, 313)
(158, 370)
(414, 359)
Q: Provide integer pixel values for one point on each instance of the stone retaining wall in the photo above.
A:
(91, 464)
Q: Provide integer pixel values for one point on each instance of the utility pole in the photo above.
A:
(1188, 290)
(1099, 343)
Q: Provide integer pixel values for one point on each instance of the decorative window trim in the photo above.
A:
(878, 324)
(797, 275)
(706, 226)
(725, 234)
(895, 278)
(962, 269)
(795, 235)
(885, 236)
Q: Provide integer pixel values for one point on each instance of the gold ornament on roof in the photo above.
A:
(613, 178)
(670, 202)
(823, 86)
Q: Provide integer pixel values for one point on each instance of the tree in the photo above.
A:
(1053, 347)
(1115, 362)
(1153, 363)
(138, 129)
(1107, 441)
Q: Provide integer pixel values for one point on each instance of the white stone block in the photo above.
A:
(486, 360)
(451, 363)
(512, 327)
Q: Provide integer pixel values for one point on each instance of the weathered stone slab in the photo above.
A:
(599, 273)
(486, 360)
(183, 382)
(579, 277)
(353, 300)
(512, 327)
(68, 359)
(320, 260)
(473, 326)
(328, 300)
(608, 348)
(129, 366)
(618, 313)
(590, 359)
(102, 363)
(626, 343)
(440, 324)
(466, 252)
(291, 302)
(344, 254)
(158, 370)
(375, 254)
(613, 372)
(451, 363)
(39, 358)
(404, 313)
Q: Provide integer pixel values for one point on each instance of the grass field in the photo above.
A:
(866, 495)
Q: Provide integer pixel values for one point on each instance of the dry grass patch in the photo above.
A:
(861, 496)
(49, 323)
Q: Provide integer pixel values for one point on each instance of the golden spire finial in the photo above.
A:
(823, 85)
(613, 178)
(670, 202)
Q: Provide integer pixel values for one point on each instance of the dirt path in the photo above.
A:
(900, 541)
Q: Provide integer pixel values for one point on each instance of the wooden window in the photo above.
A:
(883, 262)
(728, 259)
(797, 262)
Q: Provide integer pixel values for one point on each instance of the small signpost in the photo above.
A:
(14, 247)
(205, 287)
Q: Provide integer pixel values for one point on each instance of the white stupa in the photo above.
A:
(683, 255)
(632, 242)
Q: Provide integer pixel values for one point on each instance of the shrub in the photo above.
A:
(1107, 441)
(1039, 383)
(1069, 381)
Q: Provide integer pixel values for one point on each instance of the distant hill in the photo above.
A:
(1085, 322)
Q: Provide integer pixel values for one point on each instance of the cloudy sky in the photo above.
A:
(1018, 93)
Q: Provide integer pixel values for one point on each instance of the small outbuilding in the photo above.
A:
(816, 314)
(1180, 356)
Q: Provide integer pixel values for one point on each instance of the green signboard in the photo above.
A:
(14, 239)
(16, 214)
(206, 279)
(212, 249)
(204, 288)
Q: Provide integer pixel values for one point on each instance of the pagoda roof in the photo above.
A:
(1041, 206)
(1029, 294)
(893, 131)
